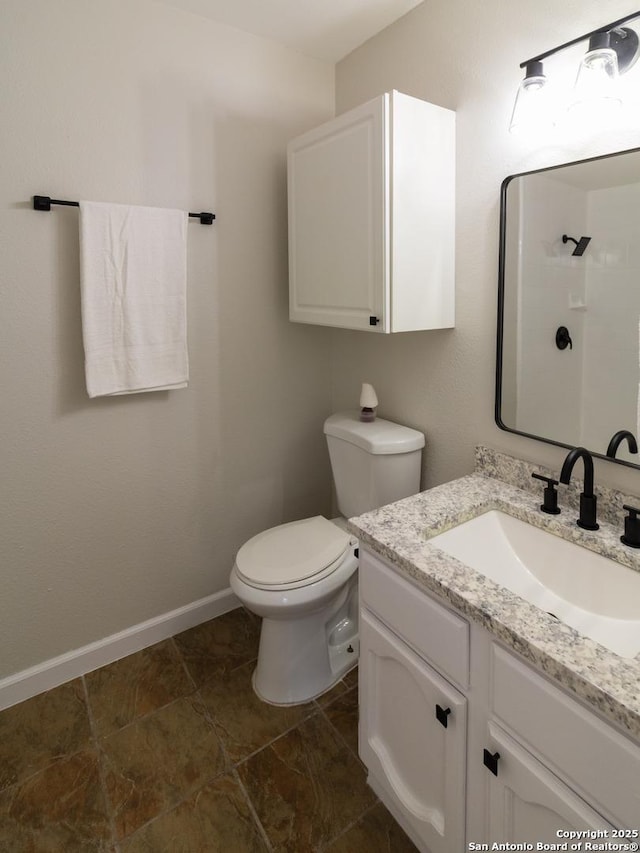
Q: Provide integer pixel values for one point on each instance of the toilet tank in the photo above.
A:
(374, 463)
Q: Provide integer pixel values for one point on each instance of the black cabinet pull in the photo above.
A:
(442, 714)
(490, 760)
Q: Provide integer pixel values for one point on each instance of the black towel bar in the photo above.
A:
(43, 202)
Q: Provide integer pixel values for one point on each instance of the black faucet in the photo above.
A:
(618, 438)
(588, 500)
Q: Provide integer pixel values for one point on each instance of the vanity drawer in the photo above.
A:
(438, 635)
(581, 747)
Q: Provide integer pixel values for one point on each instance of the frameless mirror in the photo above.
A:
(568, 359)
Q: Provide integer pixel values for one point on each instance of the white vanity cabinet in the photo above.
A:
(371, 218)
(520, 759)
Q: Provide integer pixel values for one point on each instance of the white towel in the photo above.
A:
(133, 265)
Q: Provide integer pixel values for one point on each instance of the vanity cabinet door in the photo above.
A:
(412, 738)
(583, 749)
(528, 803)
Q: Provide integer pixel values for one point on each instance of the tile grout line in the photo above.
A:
(196, 791)
(228, 770)
(313, 711)
(103, 782)
(229, 765)
(61, 756)
(336, 730)
(174, 806)
(325, 846)
(183, 663)
(148, 714)
(319, 711)
(194, 689)
(278, 737)
(254, 814)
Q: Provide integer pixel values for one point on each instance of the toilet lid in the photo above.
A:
(291, 552)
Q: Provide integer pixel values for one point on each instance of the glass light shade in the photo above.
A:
(532, 109)
(597, 92)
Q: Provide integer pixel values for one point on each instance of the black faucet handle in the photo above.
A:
(550, 504)
(549, 480)
(631, 527)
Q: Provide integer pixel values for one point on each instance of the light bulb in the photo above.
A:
(532, 108)
(596, 94)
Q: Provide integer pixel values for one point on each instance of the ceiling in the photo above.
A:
(325, 29)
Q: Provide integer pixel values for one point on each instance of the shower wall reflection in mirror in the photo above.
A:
(568, 369)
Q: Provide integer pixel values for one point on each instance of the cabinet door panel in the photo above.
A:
(527, 803)
(338, 231)
(416, 761)
(586, 751)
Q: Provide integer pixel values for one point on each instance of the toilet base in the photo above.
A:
(299, 659)
(351, 665)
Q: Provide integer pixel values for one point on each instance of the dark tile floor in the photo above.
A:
(170, 750)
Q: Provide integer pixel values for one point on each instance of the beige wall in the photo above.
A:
(465, 56)
(113, 511)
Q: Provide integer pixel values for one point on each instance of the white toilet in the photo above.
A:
(301, 577)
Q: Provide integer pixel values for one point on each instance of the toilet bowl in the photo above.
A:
(301, 577)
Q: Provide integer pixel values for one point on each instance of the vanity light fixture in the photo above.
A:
(613, 49)
(530, 107)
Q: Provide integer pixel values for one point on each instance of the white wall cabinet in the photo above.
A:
(524, 760)
(371, 218)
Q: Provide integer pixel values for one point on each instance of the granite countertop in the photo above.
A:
(400, 532)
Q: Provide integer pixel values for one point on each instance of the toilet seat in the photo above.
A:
(293, 555)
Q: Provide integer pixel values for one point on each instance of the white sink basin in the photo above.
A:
(597, 596)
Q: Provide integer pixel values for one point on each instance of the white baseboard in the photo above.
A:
(51, 673)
